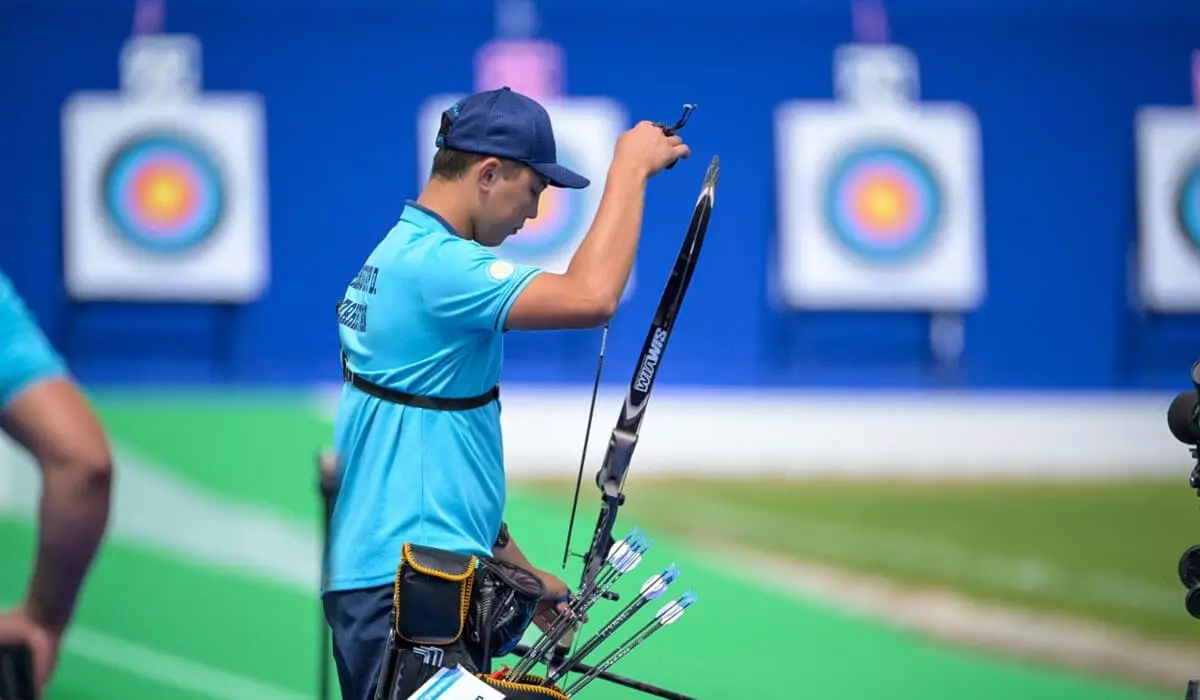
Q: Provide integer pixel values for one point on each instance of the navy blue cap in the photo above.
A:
(507, 124)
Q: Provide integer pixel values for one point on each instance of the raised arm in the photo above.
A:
(586, 295)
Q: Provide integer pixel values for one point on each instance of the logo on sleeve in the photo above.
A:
(501, 270)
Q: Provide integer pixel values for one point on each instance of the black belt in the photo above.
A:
(400, 397)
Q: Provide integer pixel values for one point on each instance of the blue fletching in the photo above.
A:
(654, 587)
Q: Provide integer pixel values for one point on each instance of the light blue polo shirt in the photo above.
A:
(26, 356)
(424, 315)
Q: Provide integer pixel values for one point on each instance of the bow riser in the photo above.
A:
(611, 480)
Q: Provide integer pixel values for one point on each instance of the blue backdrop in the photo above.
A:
(1054, 82)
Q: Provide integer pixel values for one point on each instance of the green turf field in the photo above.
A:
(206, 586)
(1106, 550)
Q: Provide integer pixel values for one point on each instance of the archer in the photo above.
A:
(418, 422)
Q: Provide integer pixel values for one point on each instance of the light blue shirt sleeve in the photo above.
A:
(471, 288)
(26, 356)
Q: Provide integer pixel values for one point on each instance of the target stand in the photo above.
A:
(880, 200)
(1164, 257)
(164, 199)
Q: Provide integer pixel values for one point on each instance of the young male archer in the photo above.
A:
(421, 326)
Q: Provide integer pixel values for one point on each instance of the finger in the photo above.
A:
(675, 140)
(682, 151)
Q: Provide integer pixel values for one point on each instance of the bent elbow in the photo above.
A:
(97, 471)
(95, 475)
(89, 468)
(602, 309)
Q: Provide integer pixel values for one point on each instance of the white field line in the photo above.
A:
(1047, 639)
(156, 510)
(823, 540)
(170, 670)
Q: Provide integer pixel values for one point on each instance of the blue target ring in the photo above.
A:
(557, 222)
(883, 203)
(1188, 206)
(163, 193)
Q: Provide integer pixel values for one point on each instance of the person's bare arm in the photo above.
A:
(512, 554)
(555, 601)
(587, 294)
(53, 421)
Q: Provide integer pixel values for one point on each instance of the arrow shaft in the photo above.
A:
(564, 623)
(590, 645)
(614, 656)
(617, 679)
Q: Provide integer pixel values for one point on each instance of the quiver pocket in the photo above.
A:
(506, 598)
(432, 595)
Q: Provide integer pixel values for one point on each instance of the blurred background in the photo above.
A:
(909, 435)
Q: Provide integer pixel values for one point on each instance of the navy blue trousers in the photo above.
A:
(359, 622)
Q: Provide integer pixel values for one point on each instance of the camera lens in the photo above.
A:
(1192, 602)
(1189, 567)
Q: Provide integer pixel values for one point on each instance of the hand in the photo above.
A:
(554, 602)
(557, 595)
(18, 626)
(647, 150)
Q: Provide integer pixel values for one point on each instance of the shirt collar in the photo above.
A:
(426, 218)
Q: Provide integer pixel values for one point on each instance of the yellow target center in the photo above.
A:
(884, 205)
(164, 195)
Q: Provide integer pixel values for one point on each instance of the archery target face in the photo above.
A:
(165, 200)
(883, 203)
(163, 193)
(1168, 189)
(556, 227)
(1188, 206)
(878, 208)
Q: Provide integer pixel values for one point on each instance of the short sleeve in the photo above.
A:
(470, 287)
(26, 356)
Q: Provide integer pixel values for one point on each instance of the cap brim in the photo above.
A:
(561, 176)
